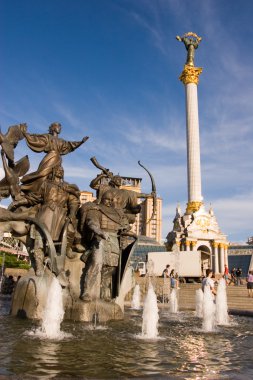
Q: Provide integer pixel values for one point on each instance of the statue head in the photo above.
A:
(115, 181)
(57, 172)
(55, 128)
(107, 198)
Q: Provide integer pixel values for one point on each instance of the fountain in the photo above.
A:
(86, 248)
(54, 311)
(222, 317)
(209, 323)
(199, 303)
(135, 304)
(150, 316)
(80, 259)
(173, 301)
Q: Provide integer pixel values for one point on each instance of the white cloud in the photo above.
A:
(234, 215)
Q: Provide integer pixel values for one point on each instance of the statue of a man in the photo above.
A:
(191, 42)
(124, 199)
(56, 201)
(106, 224)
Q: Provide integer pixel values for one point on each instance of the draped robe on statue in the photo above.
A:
(55, 148)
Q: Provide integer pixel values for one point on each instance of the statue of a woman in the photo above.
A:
(54, 147)
(191, 42)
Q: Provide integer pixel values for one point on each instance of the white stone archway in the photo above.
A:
(206, 256)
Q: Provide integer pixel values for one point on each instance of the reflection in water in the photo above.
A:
(115, 352)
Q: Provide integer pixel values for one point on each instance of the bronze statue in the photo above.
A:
(123, 198)
(10, 184)
(191, 42)
(54, 146)
(45, 214)
(58, 203)
(10, 140)
(107, 224)
(42, 195)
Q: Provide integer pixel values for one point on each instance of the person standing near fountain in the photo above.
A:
(226, 273)
(250, 283)
(166, 271)
(208, 281)
(238, 276)
(173, 280)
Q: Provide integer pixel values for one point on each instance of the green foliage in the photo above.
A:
(11, 261)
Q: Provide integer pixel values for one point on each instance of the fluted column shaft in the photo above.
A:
(190, 78)
(216, 258)
(222, 261)
(193, 145)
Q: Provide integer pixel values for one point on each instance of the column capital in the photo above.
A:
(188, 243)
(215, 244)
(193, 207)
(190, 74)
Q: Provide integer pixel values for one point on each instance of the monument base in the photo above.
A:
(199, 230)
(31, 293)
(99, 310)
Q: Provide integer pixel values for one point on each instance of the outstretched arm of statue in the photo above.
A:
(70, 146)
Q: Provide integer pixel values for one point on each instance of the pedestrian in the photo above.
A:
(208, 281)
(226, 273)
(173, 280)
(249, 280)
(238, 276)
(166, 271)
(233, 276)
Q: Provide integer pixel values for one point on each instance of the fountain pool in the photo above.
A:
(115, 350)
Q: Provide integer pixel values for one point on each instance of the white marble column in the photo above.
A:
(190, 78)
(226, 254)
(193, 145)
(216, 258)
(222, 261)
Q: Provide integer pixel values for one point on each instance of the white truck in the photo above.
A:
(186, 263)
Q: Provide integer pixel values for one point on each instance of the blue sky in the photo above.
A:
(109, 69)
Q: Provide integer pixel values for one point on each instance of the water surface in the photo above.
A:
(115, 350)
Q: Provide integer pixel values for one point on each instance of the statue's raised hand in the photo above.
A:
(85, 139)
